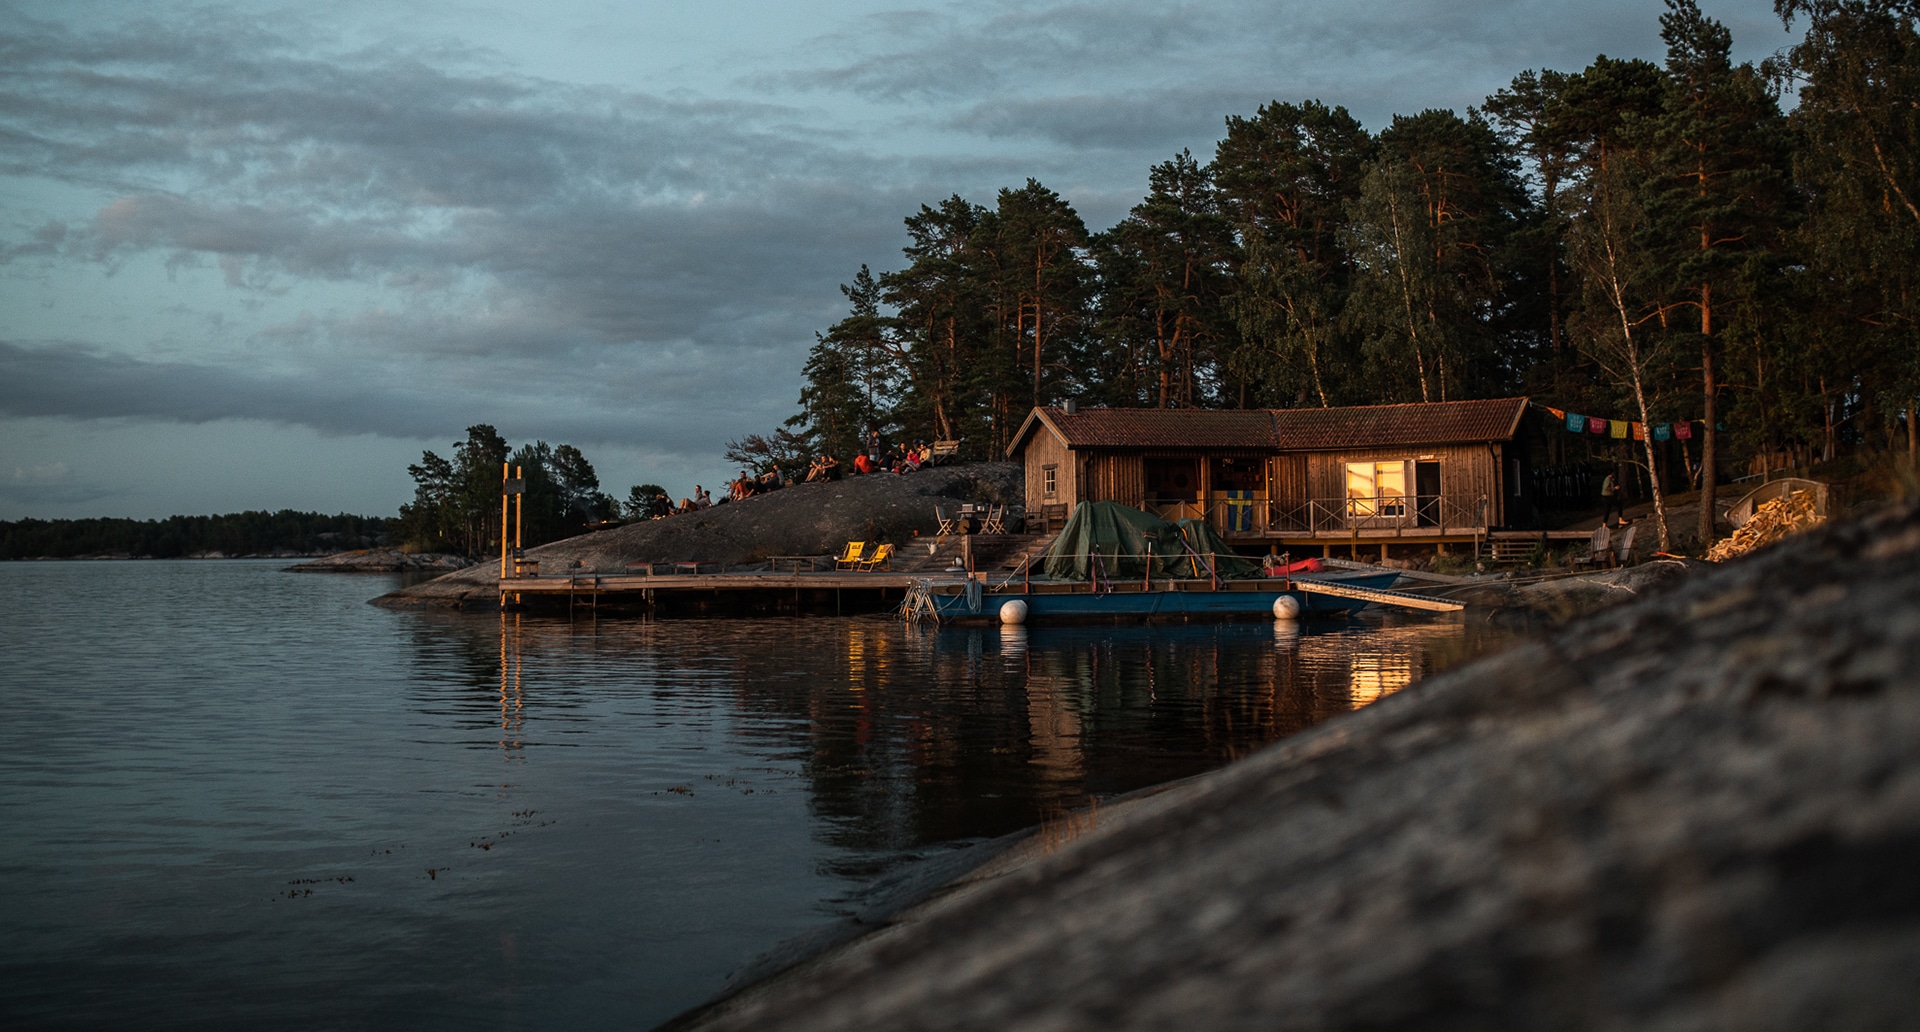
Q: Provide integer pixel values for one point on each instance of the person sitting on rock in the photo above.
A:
(701, 499)
(862, 464)
(661, 507)
(771, 480)
(686, 506)
(817, 469)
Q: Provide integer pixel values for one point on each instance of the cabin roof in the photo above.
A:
(1379, 426)
(1307, 429)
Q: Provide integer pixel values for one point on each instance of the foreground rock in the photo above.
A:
(806, 519)
(1700, 810)
(383, 560)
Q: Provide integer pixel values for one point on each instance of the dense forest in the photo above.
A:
(1647, 242)
(240, 533)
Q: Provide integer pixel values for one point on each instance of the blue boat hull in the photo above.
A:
(1229, 603)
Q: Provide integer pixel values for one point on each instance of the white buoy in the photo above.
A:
(1013, 611)
(1286, 607)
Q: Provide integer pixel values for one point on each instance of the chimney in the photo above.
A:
(1070, 406)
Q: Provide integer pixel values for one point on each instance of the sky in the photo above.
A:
(262, 255)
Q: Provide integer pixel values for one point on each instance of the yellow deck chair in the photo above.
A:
(850, 558)
(881, 557)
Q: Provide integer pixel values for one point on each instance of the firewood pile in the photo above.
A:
(1771, 521)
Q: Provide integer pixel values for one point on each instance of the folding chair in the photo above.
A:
(996, 521)
(947, 523)
(881, 557)
(850, 558)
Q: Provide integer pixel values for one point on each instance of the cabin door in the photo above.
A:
(1426, 494)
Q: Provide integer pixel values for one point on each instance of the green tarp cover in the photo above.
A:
(1206, 543)
(1125, 537)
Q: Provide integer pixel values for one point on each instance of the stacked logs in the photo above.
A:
(1771, 522)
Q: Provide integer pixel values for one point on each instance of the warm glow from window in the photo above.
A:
(1376, 488)
(1373, 676)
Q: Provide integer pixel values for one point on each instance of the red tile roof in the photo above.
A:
(1380, 426)
(1315, 429)
(1163, 428)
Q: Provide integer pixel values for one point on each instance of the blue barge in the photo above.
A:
(1324, 595)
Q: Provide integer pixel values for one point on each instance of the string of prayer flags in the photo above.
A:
(1621, 429)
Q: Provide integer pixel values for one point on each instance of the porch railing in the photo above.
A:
(1383, 513)
(1391, 514)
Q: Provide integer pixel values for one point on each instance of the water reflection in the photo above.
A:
(513, 698)
(905, 737)
(245, 784)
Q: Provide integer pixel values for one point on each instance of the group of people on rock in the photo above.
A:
(900, 459)
(875, 459)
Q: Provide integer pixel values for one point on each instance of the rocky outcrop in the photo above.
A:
(1698, 810)
(383, 560)
(806, 519)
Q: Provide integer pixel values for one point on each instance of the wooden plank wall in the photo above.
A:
(1287, 478)
(1117, 477)
(1043, 448)
(1467, 472)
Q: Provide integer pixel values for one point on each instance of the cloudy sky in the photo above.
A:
(260, 255)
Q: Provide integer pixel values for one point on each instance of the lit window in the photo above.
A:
(1376, 489)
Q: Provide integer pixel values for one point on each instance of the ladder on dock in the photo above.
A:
(1380, 596)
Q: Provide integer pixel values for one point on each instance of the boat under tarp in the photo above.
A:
(1107, 541)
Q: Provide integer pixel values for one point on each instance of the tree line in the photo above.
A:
(240, 533)
(1647, 241)
(456, 500)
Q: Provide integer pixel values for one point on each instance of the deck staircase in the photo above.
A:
(991, 552)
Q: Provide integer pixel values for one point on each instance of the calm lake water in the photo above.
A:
(237, 797)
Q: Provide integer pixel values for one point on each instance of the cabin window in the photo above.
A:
(1173, 480)
(1237, 474)
(1048, 478)
(1376, 489)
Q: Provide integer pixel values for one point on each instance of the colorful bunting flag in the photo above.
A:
(1663, 432)
(1619, 429)
(1576, 423)
(1683, 431)
(1639, 431)
(1596, 425)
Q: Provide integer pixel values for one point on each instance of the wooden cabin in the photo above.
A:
(1373, 474)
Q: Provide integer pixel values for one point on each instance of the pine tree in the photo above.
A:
(1164, 275)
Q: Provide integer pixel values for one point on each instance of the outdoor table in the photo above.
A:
(969, 514)
(796, 560)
